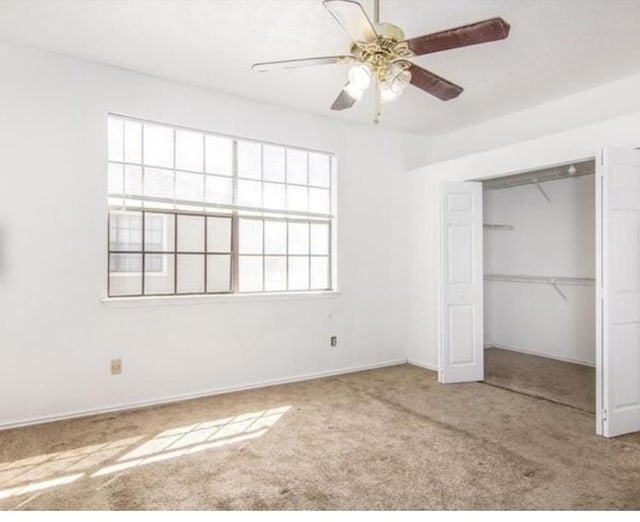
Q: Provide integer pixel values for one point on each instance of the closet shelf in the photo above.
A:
(548, 280)
(497, 227)
(553, 281)
(575, 170)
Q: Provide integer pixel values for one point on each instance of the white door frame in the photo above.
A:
(599, 348)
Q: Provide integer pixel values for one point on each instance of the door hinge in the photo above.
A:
(603, 415)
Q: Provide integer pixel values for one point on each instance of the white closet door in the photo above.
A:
(461, 337)
(619, 284)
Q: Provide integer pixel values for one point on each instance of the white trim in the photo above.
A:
(197, 395)
(422, 364)
(540, 354)
(180, 300)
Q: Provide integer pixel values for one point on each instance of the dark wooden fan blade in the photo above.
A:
(343, 101)
(480, 32)
(353, 19)
(301, 62)
(433, 84)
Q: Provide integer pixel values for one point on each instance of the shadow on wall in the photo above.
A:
(41, 472)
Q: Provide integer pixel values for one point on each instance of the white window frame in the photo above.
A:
(235, 212)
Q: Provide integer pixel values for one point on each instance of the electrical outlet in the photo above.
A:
(334, 341)
(116, 366)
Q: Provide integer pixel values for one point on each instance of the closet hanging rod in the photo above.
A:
(534, 179)
(548, 280)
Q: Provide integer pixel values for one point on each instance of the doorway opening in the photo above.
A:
(539, 259)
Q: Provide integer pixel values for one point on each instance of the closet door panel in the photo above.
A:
(619, 284)
(461, 336)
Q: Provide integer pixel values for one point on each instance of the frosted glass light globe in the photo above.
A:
(395, 81)
(360, 76)
(354, 91)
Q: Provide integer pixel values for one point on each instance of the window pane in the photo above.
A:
(218, 234)
(218, 273)
(159, 232)
(189, 150)
(275, 237)
(125, 274)
(190, 234)
(116, 139)
(125, 231)
(219, 155)
(219, 190)
(274, 196)
(249, 193)
(319, 170)
(297, 198)
(132, 180)
(298, 238)
(319, 273)
(273, 163)
(132, 141)
(115, 179)
(126, 263)
(319, 201)
(249, 159)
(190, 274)
(250, 277)
(250, 236)
(158, 145)
(158, 183)
(189, 186)
(298, 273)
(319, 238)
(296, 166)
(275, 273)
(159, 274)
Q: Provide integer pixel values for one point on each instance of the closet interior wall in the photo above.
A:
(539, 263)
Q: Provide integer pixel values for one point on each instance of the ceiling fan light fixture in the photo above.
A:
(394, 82)
(387, 94)
(360, 76)
(354, 91)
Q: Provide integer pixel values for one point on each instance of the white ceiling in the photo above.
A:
(556, 47)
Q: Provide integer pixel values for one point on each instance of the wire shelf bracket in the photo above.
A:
(489, 226)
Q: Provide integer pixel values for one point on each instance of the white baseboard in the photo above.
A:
(198, 395)
(421, 364)
(540, 354)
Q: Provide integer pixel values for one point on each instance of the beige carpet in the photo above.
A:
(563, 382)
(386, 439)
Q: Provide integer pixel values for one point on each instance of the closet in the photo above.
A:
(543, 270)
(539, 263)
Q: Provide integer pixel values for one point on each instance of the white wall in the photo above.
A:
(593, 106)
(498, 148)
(57, 337)
(549, 238)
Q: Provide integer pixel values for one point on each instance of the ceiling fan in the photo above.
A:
(380, 52)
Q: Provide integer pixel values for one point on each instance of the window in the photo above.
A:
(191, 212)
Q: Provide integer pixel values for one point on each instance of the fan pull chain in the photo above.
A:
(376, 118)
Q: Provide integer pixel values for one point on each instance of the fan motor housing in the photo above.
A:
(389, 32)
(390, 46)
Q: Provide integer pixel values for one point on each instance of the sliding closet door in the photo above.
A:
(461, 323)
(619, 285)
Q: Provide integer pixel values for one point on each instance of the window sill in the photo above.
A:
(178, 300)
